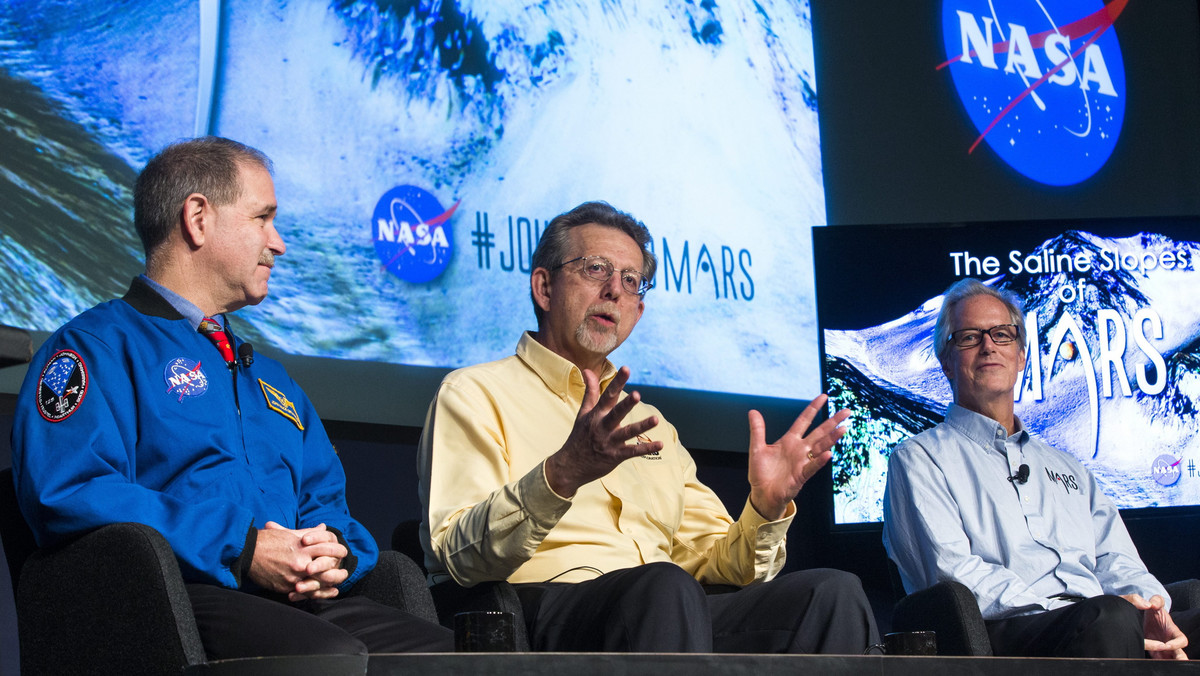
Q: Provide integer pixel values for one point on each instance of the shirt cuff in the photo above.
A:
(538, 497)
(766, 532)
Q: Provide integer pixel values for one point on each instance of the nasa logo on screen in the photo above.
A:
(412, 233)
(1165, 470)
(1043, 81)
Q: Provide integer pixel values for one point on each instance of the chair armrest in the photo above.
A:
(398, 582)
(111, 597)
(1185, 594)
(949, 609)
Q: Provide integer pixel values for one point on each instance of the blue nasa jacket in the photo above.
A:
(129, 414)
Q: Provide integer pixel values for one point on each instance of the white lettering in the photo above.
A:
(1095, 70)
(974, 41)
(1021, 54)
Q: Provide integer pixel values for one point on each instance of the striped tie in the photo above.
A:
(210, 328)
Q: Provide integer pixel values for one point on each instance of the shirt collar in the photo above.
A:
(559, 374)
(182, 305)
(980, 428)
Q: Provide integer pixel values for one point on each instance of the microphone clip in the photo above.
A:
(1021, 476)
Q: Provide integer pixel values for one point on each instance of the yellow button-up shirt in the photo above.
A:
(489, 513)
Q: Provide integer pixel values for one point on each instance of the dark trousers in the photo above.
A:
(660, 608)
(1101, 626)
(236, 624)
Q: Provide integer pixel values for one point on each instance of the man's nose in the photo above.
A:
(612, 287)
(275, 242)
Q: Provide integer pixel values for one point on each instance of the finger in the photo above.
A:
(816, 461)
(827, 434)
(802, 422)
(1137, 601)
(644, 448)
(613, 418)
(591, 391)
(306, 586)
(612, 394)
(316, 536)
(1152, 646)
(320, 565)
(634, 430)
(758, 429)
(332, 578)
(271, 525)
(335, 549)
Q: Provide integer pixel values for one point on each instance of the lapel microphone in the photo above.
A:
(1021, 476)
(246, 356)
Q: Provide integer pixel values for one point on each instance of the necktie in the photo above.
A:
(213, 331)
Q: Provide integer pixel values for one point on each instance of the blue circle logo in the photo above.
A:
(185, 378)
(1043, 81)
(1165, 470)
(412, 233)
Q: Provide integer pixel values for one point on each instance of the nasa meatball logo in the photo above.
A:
(1165, 470)
(62, 386)
(185, 378)
(412, 233)
(1042, 81)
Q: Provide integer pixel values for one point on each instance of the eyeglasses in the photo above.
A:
(601, 269)
(1001, 334)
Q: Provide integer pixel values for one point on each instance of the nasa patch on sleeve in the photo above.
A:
(62, 386)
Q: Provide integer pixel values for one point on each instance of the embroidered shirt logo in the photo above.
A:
(185, 378)
(643, 439)
(277, 401)
(62, 386)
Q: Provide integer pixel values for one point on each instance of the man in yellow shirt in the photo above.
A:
(539, 469)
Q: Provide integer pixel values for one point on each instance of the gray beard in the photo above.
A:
(600, 343)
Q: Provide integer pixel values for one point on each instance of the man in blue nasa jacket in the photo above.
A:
(134, 412)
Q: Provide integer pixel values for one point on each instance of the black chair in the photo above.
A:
(950, 609)
(113, 600)
(451, 598)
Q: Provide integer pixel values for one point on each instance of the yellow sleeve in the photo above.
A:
(480, 524)
(717, 550)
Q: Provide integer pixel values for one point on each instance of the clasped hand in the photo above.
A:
(598, 441)
(1164, 640)
(304, 563)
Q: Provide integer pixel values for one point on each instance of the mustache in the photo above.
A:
(609, 309)
(267, 258)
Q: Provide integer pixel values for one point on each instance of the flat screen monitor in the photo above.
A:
(1112, 377)
(419, 151)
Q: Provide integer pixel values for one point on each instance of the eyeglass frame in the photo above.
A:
(1016, 330)
(645, 286)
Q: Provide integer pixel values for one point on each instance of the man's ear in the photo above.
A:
(196, 219)
(539, 286)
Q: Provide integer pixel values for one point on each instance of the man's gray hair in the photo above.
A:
(969, 288)
(552, 246)
(210, 166)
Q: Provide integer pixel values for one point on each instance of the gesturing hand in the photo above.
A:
(302, 563)
(778, 471)
(598, 440)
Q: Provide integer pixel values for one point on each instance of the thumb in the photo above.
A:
(758, 430)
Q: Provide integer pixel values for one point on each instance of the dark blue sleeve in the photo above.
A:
(75, 460)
